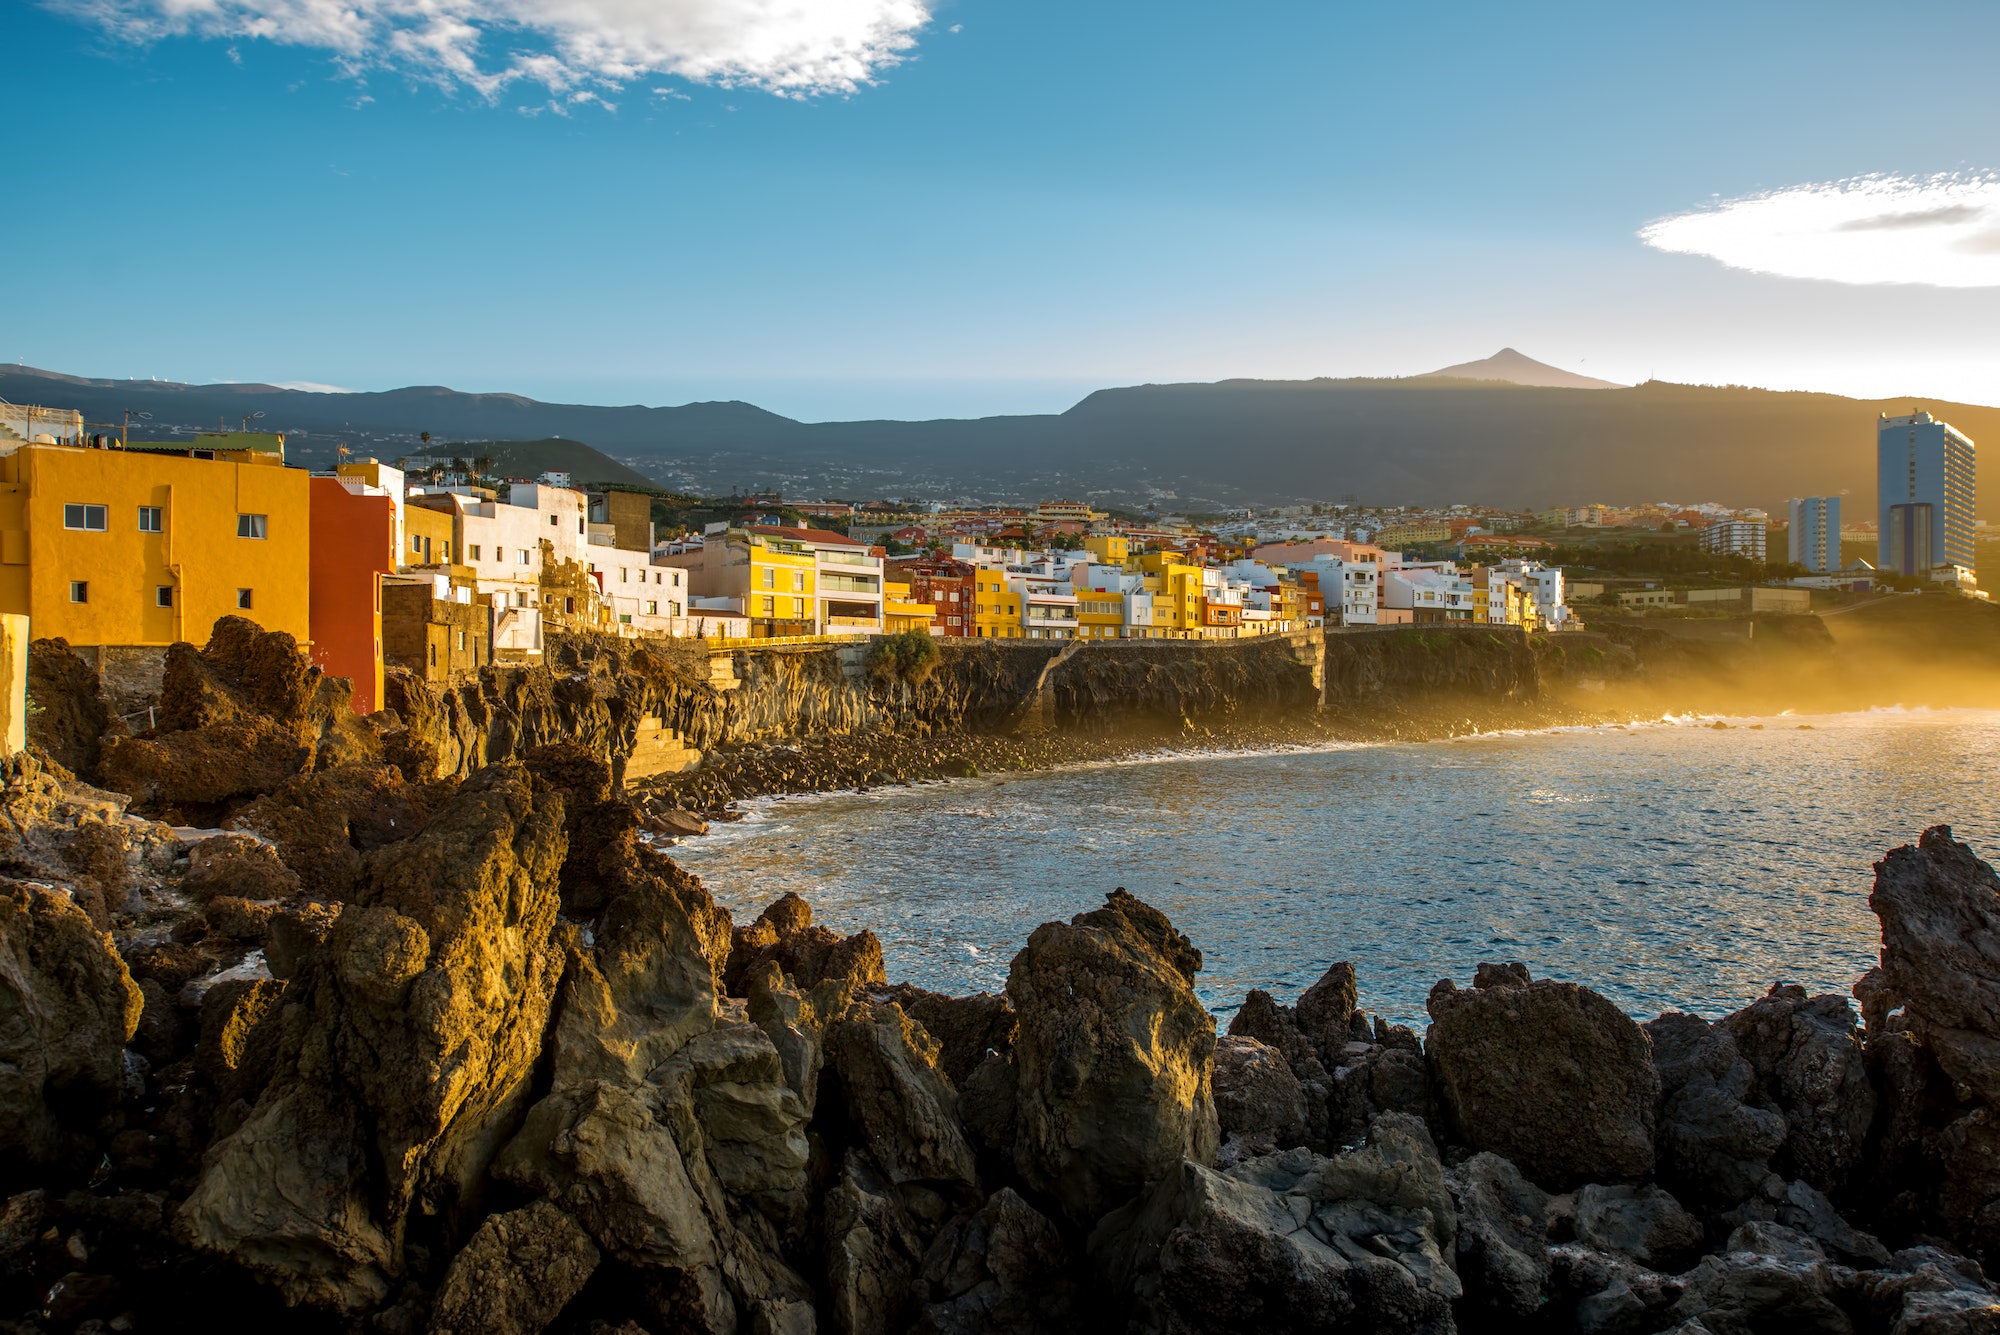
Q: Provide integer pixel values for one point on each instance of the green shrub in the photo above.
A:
(909, 654)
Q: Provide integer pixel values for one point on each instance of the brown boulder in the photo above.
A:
(407, 1051)
(968, 1028)
(1256, 1092)
(515, 1275)
(203, 766)
(1113, 1055)
(240, 865)
(1549, 1075)
(67, 1009)
(322, 825)
(904, 1109)
(73, 712)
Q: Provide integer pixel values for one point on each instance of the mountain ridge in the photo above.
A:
(1420, 440)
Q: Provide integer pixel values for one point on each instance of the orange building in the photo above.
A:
(353, 546)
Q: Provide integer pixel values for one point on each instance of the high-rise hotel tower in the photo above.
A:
(1925, 491)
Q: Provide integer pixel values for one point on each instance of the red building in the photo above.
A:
(945, 584)
(353, 544)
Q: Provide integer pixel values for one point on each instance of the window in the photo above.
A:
(622, 575)
(434, 654)
(552, 521)
(475, 551)
(90, 518)
(243, 599)
(770, 578)
(770, 606)
(149, 519)
(524, 556)
(416, 541)
(250, 526)
(461, 641)
(163, 595)
(652, 609)
(79, 590)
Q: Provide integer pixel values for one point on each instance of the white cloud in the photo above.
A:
(794, 48)
(1940, 231)
(312, 387)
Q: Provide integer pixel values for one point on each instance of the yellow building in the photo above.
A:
(1111, 549)
(1177, 595)
(996, 608)
(900, 612)
(1100, 614)
(427, 537)
(152, 545)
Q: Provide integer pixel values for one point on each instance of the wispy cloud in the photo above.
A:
(795, 48)
(1940, 231)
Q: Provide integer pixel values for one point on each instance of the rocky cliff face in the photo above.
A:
(471, 1055)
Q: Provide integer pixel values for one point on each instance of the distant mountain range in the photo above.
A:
(1469, 433)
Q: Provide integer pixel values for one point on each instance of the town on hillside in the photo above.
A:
(435, 565)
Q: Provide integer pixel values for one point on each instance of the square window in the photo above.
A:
(524, 556)
(150, 518)
(475, 551)
(79, 590)
(243, 599)
(89, 518)
(163, 595)
(251, 526)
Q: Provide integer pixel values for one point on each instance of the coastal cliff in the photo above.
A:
(447, 1054)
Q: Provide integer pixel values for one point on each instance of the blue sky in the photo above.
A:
(1010, 204)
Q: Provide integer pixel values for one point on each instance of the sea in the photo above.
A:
(1684, 864)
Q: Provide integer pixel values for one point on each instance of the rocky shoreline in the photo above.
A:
(469, 1054)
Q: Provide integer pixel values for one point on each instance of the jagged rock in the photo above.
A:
(1549, 1075)
(230, 1013)
(238, 865)
(515, 1274)
(406, 1053)
(203, 766)
(903, 1107)
(1768, 1279)
(1325, 1011)
(1809, 1063)
(784, 934)
(324, 824)
(1606, 1294)
(67, 1008)
(1372, 1080)
(1260, 1017)
(73, 711)
(244, 672)
(1113, 1056)
(1925, 1291)
(1289, 1242)
(1940, 911)
(1255, 1090)
(1646, 1224)
(672, 1132)
(1806, 1211)
(597, 1151)
(988, 1106)
(1714, 1146)
(295, 933)
(967, 1028)
(1504, 1222)
(1002, 1270)
(873, 1249)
